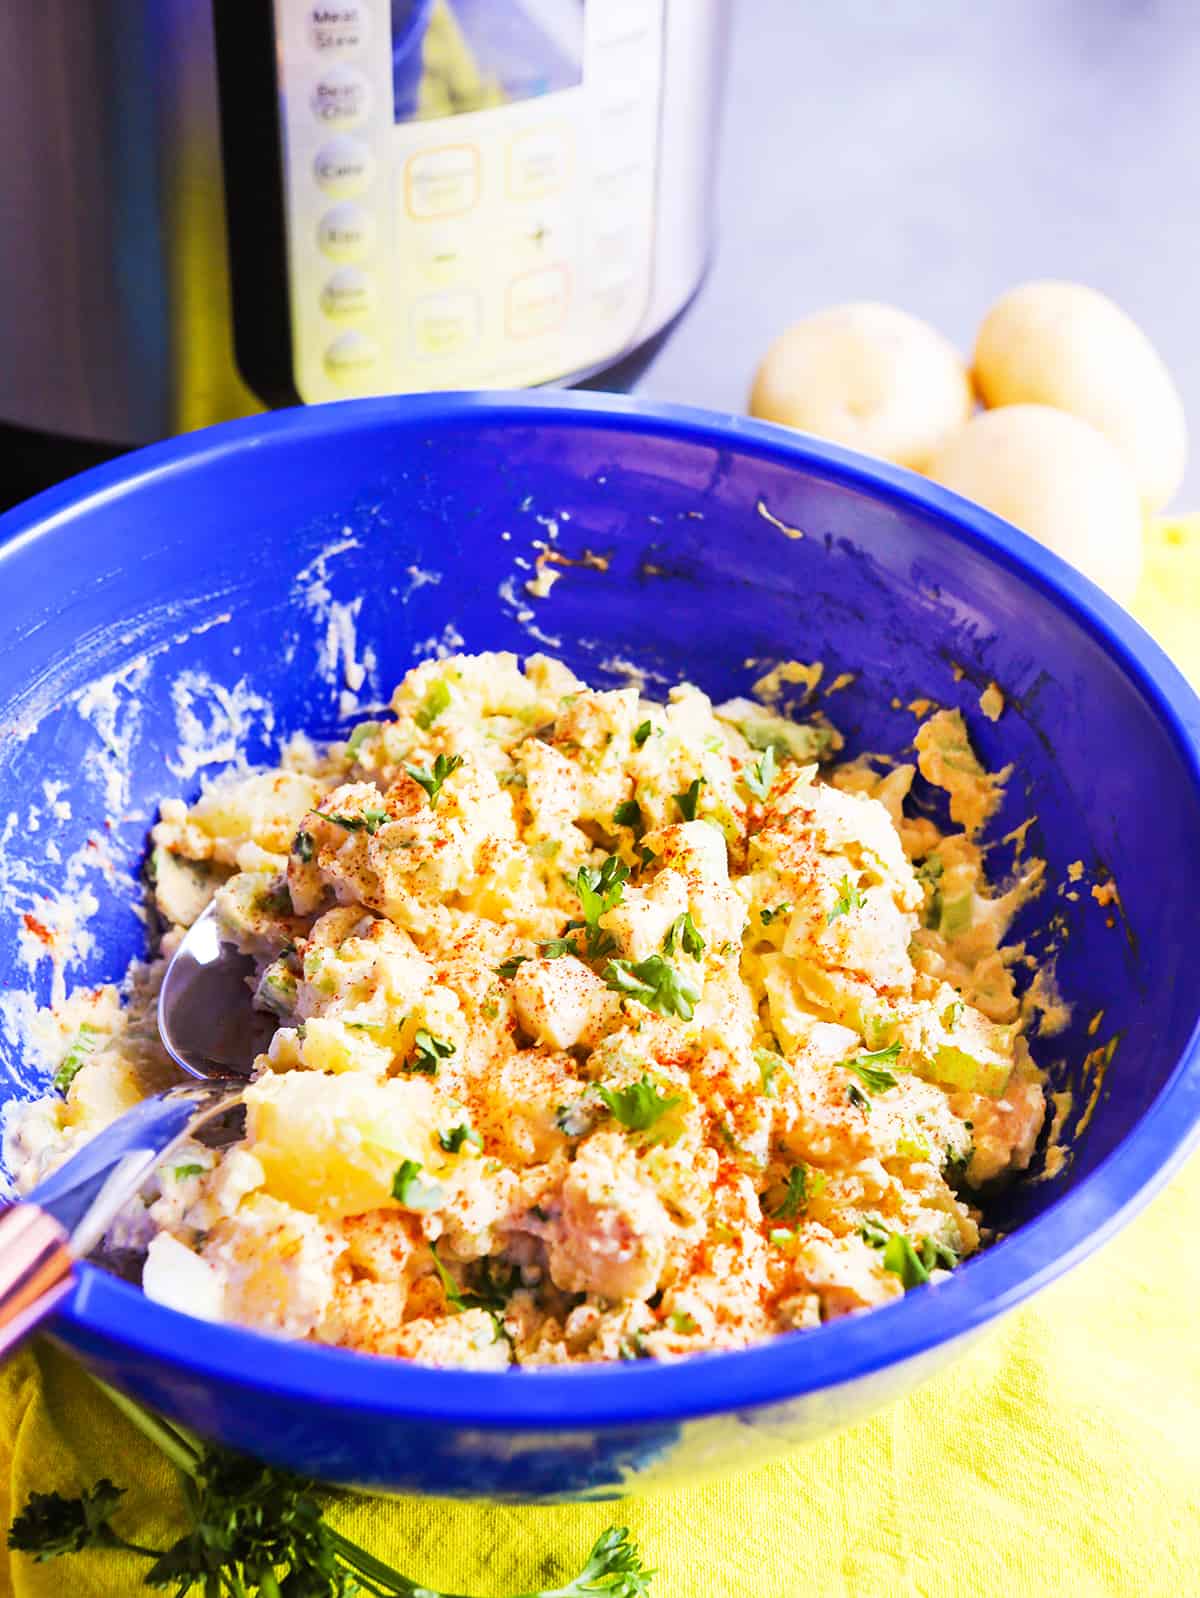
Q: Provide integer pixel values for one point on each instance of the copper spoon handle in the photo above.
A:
(35, 1270)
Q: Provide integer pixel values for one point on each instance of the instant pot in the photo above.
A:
(209, 209)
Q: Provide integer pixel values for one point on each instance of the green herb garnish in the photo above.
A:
(432, 781)
(508, 968)
(684, 931)
(869, 1069)
(802, 1184)
(359, 736)
(182, 1172)
(428, 1052)
(600, 889)
(302, 847)
(639, 1105)
(680, 1321)
(688, 799)
(369, 820)
(655, 983)
(848, 898)
(411, 1189)
(642, 733)
(768, 1063)
(453, 1140)
(858, 1098)
(760, 779)
(767, 916)
(255, 1529)
(628, 814)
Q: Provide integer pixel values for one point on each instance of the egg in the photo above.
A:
(868, 376)
(1058, 479)
(1069, 346)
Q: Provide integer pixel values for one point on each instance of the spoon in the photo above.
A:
(208, 1026)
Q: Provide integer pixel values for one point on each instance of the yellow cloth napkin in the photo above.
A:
(1060, 1457)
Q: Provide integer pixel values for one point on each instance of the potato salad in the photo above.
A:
(607, 1028)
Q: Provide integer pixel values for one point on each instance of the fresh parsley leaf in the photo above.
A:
(411, 1189)
(182, 1172)
(453, 1140)
(302, 847)
(858, 1098)
(641, 733)
(555, 948)
(760, 779)
(601, 889)
(368, 820)
(684, 931)
(873, 1232)
(639, 1105)
(656, 983)
(432, 781)
(848, 898)
(768, 1063)
(434, 702)
(428, 1052)
(508, 968)
(869, 1068)
(767, 916)
(255, 1529)
(628, 814)
(51, 1525)
(688, 799)
(86, 1041)
(802, 1184)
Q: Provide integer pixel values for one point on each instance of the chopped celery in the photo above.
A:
(364, 730)
(954, 1068)
(277, 989)
(763, 729)
(955, 914)
(85, 1042)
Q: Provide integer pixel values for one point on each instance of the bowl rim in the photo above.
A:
(111, 1318)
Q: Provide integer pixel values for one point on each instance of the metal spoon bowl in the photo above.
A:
(208, 1025)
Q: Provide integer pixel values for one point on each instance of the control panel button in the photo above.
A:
(445, 324)
(349, 295)
(536, 302)
(341, 97)
(442, 182)
(351, 356)
(443, 254)
(339, 27)
(539, 163)
(343, 166)
(346, 232)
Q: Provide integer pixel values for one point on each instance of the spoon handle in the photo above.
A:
(35, 1270)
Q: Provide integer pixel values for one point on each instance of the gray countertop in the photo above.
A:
(933, 153)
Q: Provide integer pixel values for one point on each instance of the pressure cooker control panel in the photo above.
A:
(468, 186)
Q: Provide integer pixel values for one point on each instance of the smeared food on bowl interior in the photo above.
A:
(608, 1029)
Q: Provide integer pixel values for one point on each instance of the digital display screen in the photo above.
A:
(451, 56)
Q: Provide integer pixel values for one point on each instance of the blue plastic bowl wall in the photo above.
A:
(218, 586)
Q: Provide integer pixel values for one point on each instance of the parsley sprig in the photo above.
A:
(256, 1529)
(599, 889)
(656, 983)
(638, 1106)
(369, 819)
(428, 1053)
(913, 1263)
(683, 930)
(870, 1068)
(432, 781)
(412, 1190)
(803, 1183)
(687, 801)
(849, 897)
(760, 778)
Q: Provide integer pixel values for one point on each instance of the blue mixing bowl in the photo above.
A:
(226, 585)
